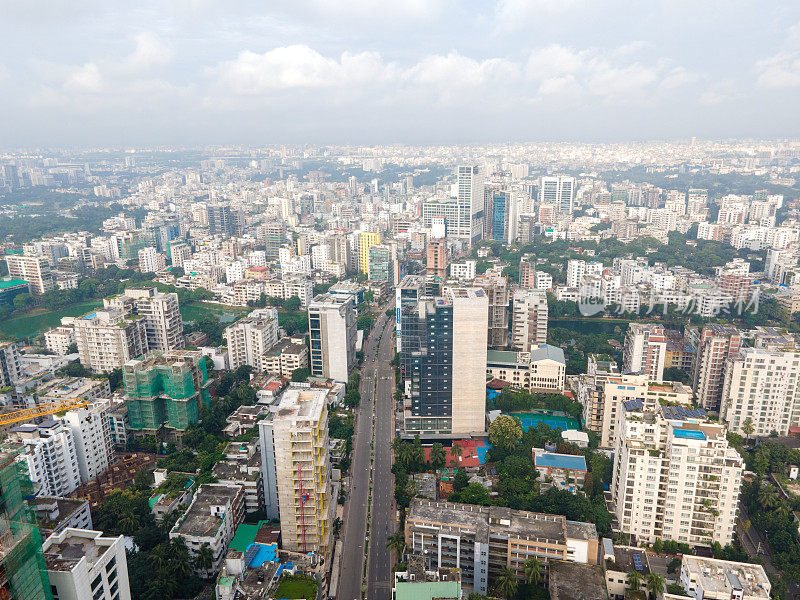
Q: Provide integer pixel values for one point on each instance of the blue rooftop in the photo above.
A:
(561, 461)
(91, 315)
(689, 434)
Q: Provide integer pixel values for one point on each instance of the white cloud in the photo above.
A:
(516, 14)
(554, 61)
(416, 10)
(150, 52)
(456, 70)
(85, 79)
(779, 72)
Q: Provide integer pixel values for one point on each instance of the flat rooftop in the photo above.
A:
(63, 551)
(198, 519)
(301, 404)
(722, 576)
(574, 581)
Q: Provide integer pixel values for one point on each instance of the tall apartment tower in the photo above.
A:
(303, 470)
(645, 350)
(108, 338)
(151, 260)
(179, 252)
(366, 239)
(496, 211)
(223, 220)
(444, 347)
(528, 319)
(675, 476)
(332, 328)
(33, 269)
(249, 338)
(49, 451)
(762, 385)
(91, 433)
(166, 390)
(469, 200)
(436, 259)
(407, 294)
(713, 346)
(381, 265)
(499, 296)
(558, 191)
(10, 364)
(160, 314)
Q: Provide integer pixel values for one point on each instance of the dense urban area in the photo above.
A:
(511, 371)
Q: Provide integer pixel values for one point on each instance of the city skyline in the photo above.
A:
(413, 72)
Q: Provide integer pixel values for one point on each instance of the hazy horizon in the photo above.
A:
(417, 72)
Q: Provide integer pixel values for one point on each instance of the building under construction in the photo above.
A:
(23, 574)
(166, 390)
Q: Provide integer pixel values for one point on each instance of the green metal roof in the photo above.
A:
(426, 590)
(9, 283)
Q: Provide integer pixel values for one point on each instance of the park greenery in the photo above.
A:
(516, 400)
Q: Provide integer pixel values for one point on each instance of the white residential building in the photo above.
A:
(92, 436)
(83, 564)
(645, 350)
(59, 339)
(528, 319)
(179, 253)
(160, 313)
(463, 271)
(249, 338)
(10, 364)
(559, 191)
(675, 476)
(33, 269)
(107, 339)
(762, 385)
(49, 451)
(212, 518)
(151, 260)
(332, 327)
(713, 579)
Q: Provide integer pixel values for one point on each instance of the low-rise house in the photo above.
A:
(564, 471)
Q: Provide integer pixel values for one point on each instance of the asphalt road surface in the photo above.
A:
(379, 564)
(355, 522)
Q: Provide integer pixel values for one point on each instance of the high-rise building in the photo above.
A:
(407, 293)
(224, 220)
(251, 337)
(366, 239)
(381, 265)
(529, 319)
(302, 470)
(496, 212)
(499, 296)
(91, 434)
(108, 338)
(179, 253)
(675, 476)
(160, 314)
(274, 235)
(713, 346)
(590, 389)
(436, 258)
(469, 199)
(645, 350)
(166, 390)
(482, 540)
(59, 339)
(151, 260)
(559, 191)
(33, 269)
(332, 328)
(444, 345)
(48, 449)
(762, 387)
(10, 364)
(23, 573)
(83, 564)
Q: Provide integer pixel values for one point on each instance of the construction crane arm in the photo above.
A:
(40, 410)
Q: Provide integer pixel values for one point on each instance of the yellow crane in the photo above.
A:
(40, 410)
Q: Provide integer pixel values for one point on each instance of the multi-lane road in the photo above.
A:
(371, 467)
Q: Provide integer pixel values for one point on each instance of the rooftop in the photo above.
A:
(545, 351)
(63, 551)
(574, 581)
(554, 460)
(723, 576)
(427, 590)
(199, 520)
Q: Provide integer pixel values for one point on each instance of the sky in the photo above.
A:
(193, 72)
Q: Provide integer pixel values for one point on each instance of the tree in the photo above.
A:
(115, 379)
(747, 427)
(533, 571)
(505, 432)
(129, 522)
(292, 304)
(23, 301)
(658, 546)
(396, 542)
(300, 374)
(634, 581)
(72, 348)
(204, 559)
(768, 497)
(456, 451)
(506, 583)
(461, 480)
(655, 584)
(437, 456)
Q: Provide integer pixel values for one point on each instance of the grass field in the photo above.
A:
(34, 323)
(195, 310)
(293, 587)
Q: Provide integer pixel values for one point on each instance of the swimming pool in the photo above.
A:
(532, 419)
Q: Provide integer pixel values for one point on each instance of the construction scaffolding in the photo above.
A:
(23, 573)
